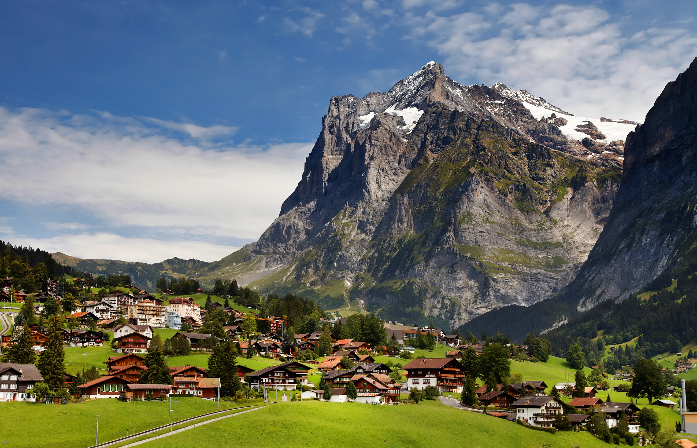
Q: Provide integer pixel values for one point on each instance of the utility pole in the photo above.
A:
(96, 438)
(170, 412)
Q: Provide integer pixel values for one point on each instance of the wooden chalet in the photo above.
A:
(613, 412)
(443, 373)
(84, 317)
(586, 403)
(538, 410)
(578, 420)
(129, 373)
(17, 381)
(83, 338)
(38, 339)
(283, 376)
(497, 399)
(105, 387)
(371, 367)
(267, 347)
(373, 390)
(527, 388)
(365, 359)
(194, 338)
(118, 362)
(338, 378)
(132, 343)
(187, 371)
(330, 363)
(140, 392)
(208, 388)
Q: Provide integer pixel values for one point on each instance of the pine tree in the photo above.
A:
(223, 364)
(469, 392)
(51, 360)
(327, 395)
(21, 351)
(351, 391)
(157, 371)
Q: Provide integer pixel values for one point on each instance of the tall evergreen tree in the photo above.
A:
(20, 351)
(351, 391)
(157, 371)
(51, 360)
(469, 392)
(223, 364)
(581, 383)
(324, 344)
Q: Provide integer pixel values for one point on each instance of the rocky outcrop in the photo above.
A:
(436, 202)
(653, 223)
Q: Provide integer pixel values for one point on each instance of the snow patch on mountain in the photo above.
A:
(365, 120)
(613, 130)
(410, 115)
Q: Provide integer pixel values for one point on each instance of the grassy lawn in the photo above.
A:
(201, 360)
(74, 424)
(428, 424)
(201, 300)
(555, 370)
(75, 358)
(165, 333)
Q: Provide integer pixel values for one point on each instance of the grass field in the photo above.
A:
(201, 360)
(313, 423)
(75, 358)
(74, 424)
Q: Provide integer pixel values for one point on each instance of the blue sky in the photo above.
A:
(149, 129)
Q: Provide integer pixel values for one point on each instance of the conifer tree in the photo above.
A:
(157, 371)
(223, 364)
(21, 351)
(51, 360)
(469, 392)
(351, 391)
(327, 395)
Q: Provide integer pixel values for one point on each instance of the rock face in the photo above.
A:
(437, 202)
(653, 224)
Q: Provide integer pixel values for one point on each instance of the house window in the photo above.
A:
(13, 377)
(3, 386)
(13, 386)
(5, 377)
(414, 381)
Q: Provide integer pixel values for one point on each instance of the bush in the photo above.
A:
(431, 393)
(405, 355)
(416, 395)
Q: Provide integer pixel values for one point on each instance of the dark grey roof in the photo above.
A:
(331, 374)
(29, 371)
(577, 418)
(532, 402)
(613, 408)
(196, 336)
(370, 366)
(272, 368)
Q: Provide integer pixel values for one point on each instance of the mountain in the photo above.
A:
(439, 202)
(650, 238)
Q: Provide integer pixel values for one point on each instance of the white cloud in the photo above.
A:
(125, 173)
(574, 56)
(66, 226)
(116, 247)
(307, 24)
(195, 131)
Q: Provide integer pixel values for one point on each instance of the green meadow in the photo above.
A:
(314, 423)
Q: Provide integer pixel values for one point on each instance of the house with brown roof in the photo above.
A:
(122, 330)
(538, 410)
(330, 363)
(129, 373)
(83, 338)
(497, 399)
(115, 363)
(105, 387)
(17, 381)
(613, 412)
(443, 373)
(140, 392)
(586, 403)
(132, 343)
(283, 376)
(187, 371)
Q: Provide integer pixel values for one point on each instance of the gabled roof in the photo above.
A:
(493, 394)
(101, 380)
(577, 418)
(612, 408)
(429, 363)
(195, 336)
(208, 383)
(584, 402)
(285, 365)
(370, 366)
(330, 375)
(178, 370)
(28, 372)
(532, 402)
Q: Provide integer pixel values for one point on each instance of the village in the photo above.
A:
(305, 366)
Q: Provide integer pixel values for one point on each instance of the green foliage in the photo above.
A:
(223, 364)
(351, 391)
(324, 344)
(581, 383)
(416, 395)
(538, 347)
(691, 395)
(405, 355)
(20, 349)
(327, 394)
(494, 361)
(157, 370)
(431, 392)
(51, 360)
(597, 424)
(648, 418)
(469, 392)
(575, 357)
(51, 307)
(470, 362)
(648, 380)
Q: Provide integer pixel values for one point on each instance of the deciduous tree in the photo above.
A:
(20, 351)
(575, 357)
(648, 380)
(495, 361)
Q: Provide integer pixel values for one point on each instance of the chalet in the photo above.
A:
(538, 411)
(243, 371)
(455, 354)
(132, 343)
(443, 373)
(529, 388)
(365, 359)
(330, 363)
(665, 403)
(84, 317)
(107, 323)
(578, 420)
(586, 403)
(17, 381)
(139, 392)
(105, 387)
(233, 330)
(565, 388)
(613, 411)
(129, 373)
(115, 363)
(119, 300)
(356, 346)
(397, 334)
(371, 390)
(38, 339)
(283, 376)
(353, 356)
(451, 340)
(187, 371)
(83, 338)
(122, 330)
(194, 338)
(267, 347)
(372, 367)
(191, 322)
(208, 388)
(338, 378)
(589, 392)
(497, 398)
(102, 310)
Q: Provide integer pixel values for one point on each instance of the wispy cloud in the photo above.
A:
(125, 173)
(195, 131)
(117, 247)
(577, 56)
(306, 24)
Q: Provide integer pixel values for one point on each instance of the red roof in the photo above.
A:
(583, 401)
(428, 363)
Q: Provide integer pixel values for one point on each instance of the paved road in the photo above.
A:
(452, 402)
(6, 323)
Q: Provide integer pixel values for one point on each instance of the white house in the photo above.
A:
(538, 411)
